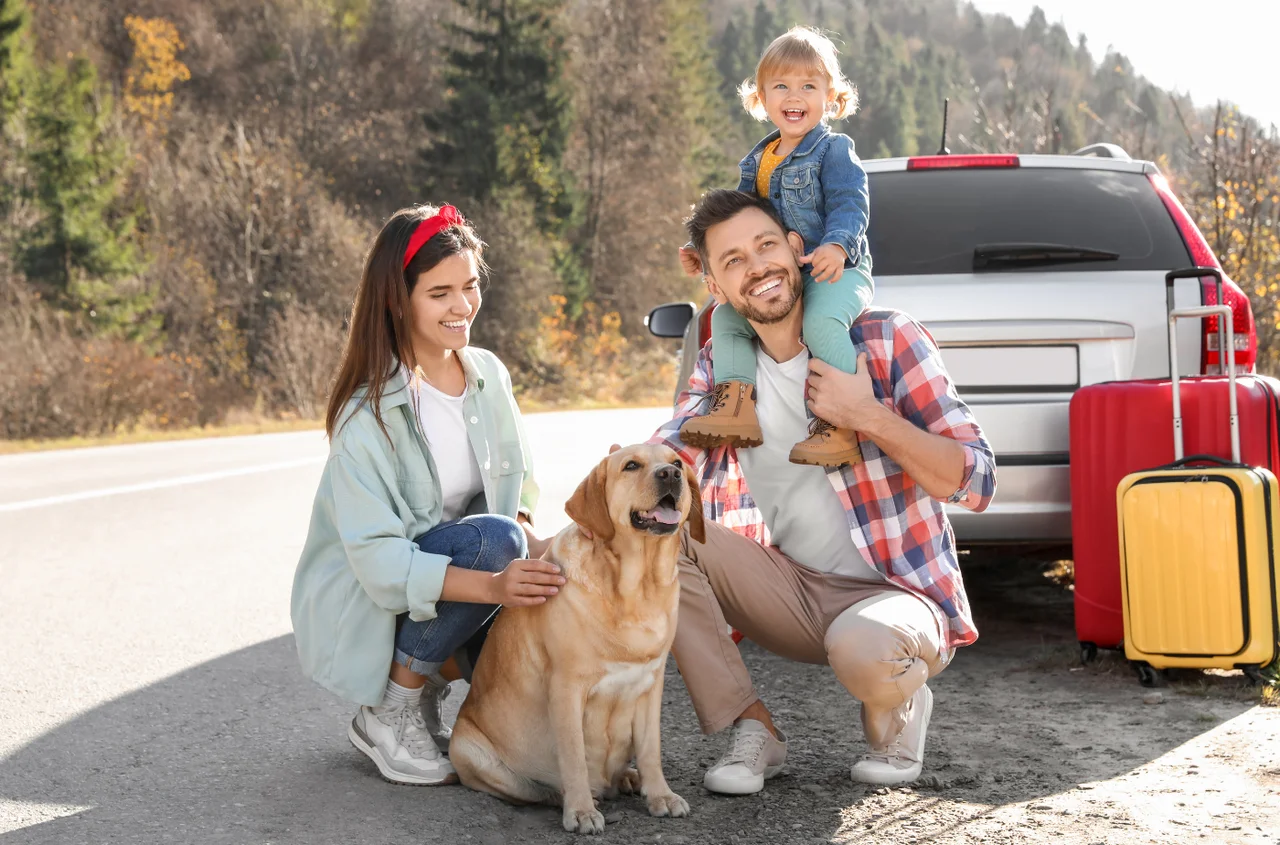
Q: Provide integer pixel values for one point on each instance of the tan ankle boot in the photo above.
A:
(827, 446)
(731, 421)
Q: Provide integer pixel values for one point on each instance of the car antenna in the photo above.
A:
(942, 150)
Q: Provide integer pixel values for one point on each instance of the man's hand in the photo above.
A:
(935, 462)
(690, 261)
(844, 400)
(524, 583)
(827, 261)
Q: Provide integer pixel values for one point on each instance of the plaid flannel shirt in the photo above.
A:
(901, 530)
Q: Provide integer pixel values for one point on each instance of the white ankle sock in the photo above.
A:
(398, 696)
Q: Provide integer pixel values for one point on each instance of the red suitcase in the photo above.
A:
(1121, 427)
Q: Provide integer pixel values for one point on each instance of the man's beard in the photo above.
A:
(779, 310)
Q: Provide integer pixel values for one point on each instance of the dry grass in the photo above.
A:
(544, 406)
(143, 434)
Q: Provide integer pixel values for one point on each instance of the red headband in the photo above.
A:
(444, 218)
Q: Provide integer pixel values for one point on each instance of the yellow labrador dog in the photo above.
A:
(566, 692)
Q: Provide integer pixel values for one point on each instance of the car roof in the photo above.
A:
(1068, 162)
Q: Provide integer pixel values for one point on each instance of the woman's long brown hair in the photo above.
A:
(378, 340)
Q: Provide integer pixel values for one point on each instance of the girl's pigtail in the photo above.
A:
(751, 100)
(846, 101)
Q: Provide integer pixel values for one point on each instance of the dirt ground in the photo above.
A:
(1025, 746)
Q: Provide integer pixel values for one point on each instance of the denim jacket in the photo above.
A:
(359, 567)
(819, 189)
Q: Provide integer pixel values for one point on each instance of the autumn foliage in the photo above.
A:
(187, 188)
(1232, 183)
(154, 71)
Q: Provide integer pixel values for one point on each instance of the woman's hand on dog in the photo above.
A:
(525, 582)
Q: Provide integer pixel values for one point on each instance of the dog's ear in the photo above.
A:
(589, 504)
(697, 525)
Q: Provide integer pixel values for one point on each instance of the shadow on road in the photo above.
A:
(243, 749)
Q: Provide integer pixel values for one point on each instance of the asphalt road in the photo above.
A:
(146, 656)
(150, 693)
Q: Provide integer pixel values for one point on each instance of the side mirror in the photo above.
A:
(671, 319)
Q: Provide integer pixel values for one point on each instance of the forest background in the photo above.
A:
(187, 188)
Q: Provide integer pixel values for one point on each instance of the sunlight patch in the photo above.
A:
(15, 815)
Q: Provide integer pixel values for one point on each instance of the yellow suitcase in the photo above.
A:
(1197, 552)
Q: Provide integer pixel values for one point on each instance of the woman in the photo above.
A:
(421, 525)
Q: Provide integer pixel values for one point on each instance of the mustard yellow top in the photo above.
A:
(768, 162)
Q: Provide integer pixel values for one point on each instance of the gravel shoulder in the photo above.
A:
(1026, 746)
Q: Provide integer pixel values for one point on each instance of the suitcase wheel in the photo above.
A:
(1088, 652)
(1254, 674)
(1147, 675)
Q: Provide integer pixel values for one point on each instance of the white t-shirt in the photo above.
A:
(445, 427)
(805, 517)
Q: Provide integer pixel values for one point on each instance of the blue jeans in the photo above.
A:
(485, 542)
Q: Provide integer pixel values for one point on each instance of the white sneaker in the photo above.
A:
(397, 741)
(433, 714)
(900, 762)
(754, 754)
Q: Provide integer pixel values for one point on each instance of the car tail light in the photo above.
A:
(1246, 333)
(952, 161)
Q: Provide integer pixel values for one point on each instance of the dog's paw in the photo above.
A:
(669, 804)
(629, 782)
(583, 821)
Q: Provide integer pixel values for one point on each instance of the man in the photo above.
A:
(853, 567)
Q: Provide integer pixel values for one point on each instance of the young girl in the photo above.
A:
(813, 177)
(421, 525)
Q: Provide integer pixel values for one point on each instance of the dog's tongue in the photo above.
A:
(665, 515)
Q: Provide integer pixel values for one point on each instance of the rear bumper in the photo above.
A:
(1032, 505)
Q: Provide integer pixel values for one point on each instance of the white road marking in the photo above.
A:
(158, 484)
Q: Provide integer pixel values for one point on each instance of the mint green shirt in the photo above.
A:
(359, 567)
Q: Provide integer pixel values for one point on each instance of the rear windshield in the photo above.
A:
(930, 221)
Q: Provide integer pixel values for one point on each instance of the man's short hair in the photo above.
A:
(719, 205)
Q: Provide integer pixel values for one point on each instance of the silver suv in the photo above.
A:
(1036, 275)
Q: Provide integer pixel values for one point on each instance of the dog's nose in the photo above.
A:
(668, 472)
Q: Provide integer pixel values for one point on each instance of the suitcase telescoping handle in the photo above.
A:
(1191, 273)
(1227, 332)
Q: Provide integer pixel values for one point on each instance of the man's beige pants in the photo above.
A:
(882, 641)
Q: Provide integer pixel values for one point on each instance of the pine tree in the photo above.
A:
(1068, 133)
(736, 63)
(499, 141)
(83, 250)
(697, 100)
(16, 63)
(894, 129)
(928, 81)
(786, 15)
(17, 68)
(1150, 116)
(764, 29)
(506, 123)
